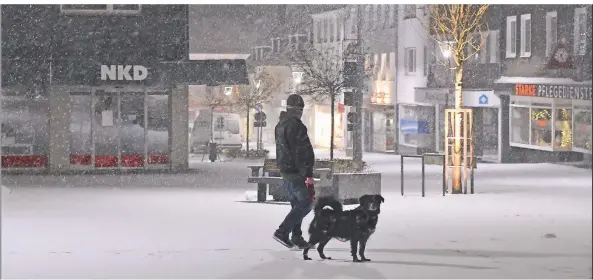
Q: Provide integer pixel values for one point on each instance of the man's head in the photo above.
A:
(295, 105)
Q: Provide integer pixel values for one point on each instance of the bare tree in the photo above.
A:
(322, 79)
(459, 31)
(260, 90)
(214, 98)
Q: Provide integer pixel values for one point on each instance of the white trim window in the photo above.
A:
(410, 61)
(551, 31)
(580, 31)
(127, 9)
(526, 35)
(511, 37)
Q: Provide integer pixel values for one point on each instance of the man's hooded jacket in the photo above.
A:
(294, 152)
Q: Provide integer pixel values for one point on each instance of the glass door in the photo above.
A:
(157, 129)
(132, 133)
(81, 130)
(106, 130)
(119, 128)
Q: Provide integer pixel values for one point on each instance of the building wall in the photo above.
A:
(412, 34)
(533, 69)
(535, 64)
(42, 32)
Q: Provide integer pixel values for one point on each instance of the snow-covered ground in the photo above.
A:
(526, 221)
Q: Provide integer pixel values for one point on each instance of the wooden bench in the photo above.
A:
(271, 179)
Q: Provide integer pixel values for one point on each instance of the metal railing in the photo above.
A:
(422, 157)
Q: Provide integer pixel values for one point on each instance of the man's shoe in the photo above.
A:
(283, 239)
(300, 242)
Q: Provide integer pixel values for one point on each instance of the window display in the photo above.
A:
(541, 127)
(24, 132)
(563, 128)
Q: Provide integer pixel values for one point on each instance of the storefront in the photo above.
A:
(548, 122)
(379, 123)
(416, 128)
(86, 115)
(322, 126)
(486, 111)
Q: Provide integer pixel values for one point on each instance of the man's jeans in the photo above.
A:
(301, 203)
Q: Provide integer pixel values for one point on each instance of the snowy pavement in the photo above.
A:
(526, 221)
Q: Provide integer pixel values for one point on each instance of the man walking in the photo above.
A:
(295, 159)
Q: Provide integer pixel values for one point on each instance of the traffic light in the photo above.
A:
(351, 118)
(349, 98)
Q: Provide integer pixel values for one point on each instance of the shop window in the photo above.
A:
(127, 9)
(563, 128)
(415, 123)
(558, 126)
(520, 125)
(25, 139)
(582, 128)
(541, 127)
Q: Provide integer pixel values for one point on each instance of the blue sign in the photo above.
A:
(413, 127)
(258, 107)
(483, 99)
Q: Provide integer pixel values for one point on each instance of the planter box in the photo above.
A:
(348, 187)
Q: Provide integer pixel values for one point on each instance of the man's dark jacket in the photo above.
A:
(294, 152)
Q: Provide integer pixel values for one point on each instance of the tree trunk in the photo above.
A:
(247, 137)
(332, 124)
(211, 124)
(457, 142)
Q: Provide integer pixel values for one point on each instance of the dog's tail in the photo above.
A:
(324, 201)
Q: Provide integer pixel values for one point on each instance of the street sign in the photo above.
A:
(260, 124)
(259, 116)
(258, 107)
(483, 100)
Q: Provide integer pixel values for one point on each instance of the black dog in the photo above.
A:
(355, 225)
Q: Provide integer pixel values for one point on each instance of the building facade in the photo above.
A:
(415, 118)
(545, 83)
(88, 87)
(480, 72)
(380, 38)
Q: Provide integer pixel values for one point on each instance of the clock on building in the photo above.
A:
(560, 57)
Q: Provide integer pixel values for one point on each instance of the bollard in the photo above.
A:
(402, 174)
(423, 176)
(212, 151)
(444, 175)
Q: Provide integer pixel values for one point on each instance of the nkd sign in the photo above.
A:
(554, 91)
(123, 72)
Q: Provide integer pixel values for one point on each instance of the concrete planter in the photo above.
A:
(348, 187)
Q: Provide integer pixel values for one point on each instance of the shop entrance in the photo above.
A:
(119, 128)
(489, 136)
